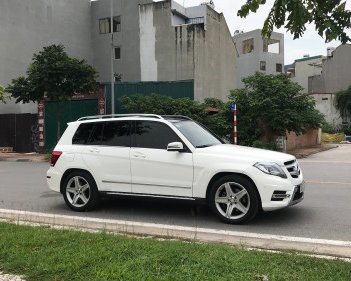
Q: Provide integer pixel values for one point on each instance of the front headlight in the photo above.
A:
(271, 168)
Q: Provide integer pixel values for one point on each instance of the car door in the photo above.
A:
(107, 155)
(154, 169)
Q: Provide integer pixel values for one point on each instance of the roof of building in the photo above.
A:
(309, 58)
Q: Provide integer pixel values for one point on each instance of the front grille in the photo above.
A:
(293, 168)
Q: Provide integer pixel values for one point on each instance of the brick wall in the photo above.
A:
(310, 138)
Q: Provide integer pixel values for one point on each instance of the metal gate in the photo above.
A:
(19, 131)
(58, 114)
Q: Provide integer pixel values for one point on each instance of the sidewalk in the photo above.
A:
(305, 152)
(23, 157)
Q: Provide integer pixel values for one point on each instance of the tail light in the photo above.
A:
(55, 155)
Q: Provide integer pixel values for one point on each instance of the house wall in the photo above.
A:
(127, 39)
(335, 76)
(305, 68)
(215, 59)
(188, 51)
(248, 64)
(27, 26)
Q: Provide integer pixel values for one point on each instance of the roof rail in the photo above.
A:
(176, 117)
(119, 115)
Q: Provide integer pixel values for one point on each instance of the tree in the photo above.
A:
(273, 103)
(165, 105)
(330, 17)
(3, 98)
(343, 102)
(54, 76)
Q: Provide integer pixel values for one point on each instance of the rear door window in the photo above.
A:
(112, 133)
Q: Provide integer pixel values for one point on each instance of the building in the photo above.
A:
(335, 76)
(164, 41)
(27, 26)
(153, 41)
(258, 54)
(303, 68)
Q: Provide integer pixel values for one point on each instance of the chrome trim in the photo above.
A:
(122, 182)
(147, 195)
(148, 184)
(280, 196)
(162, 185)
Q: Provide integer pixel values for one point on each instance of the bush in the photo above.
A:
(263, 145)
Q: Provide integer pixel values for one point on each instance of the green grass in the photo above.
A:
(42, 253)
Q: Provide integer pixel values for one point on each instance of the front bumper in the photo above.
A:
(291, 189)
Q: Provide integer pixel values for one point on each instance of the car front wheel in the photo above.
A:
(80, 191)
(234, 199)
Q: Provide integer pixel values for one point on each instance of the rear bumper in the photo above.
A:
(53, 178)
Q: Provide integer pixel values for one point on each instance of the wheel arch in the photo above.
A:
(223, 174)
(68, 171)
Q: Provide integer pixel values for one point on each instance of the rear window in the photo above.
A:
(83, 133)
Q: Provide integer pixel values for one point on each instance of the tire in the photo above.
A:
(80, 191)
(241, 205)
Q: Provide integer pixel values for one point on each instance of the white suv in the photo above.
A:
(169, 157)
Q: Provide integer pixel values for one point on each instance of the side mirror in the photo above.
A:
(175, 146)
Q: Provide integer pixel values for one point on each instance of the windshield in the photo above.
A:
(198, 135)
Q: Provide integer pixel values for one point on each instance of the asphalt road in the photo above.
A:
(325, 212)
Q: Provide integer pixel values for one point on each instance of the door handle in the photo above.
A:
(94, 150)
(139, 155)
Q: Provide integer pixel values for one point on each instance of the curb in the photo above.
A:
(335, 248)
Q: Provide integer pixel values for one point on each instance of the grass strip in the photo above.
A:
(42, 253)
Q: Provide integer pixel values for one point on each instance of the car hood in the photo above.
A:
(248, 154)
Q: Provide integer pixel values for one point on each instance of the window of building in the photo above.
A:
(105, 25)
(153, 135)
(248, 46)
(117, 55)
(271, 46)
(117, 24)
(262, 65)
(279, 67)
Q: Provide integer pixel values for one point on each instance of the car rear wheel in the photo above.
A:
(234, 199)
(80, 191)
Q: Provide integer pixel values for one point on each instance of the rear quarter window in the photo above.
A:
(83, 133)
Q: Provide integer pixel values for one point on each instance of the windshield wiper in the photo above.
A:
(204, 145)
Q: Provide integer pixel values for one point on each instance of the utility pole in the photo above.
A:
(112, 59)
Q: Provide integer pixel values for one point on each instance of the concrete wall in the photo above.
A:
(307, 67)
(187, 51)
(325, 103)
(337, 69)
(215, 59)
(26, 26)
(248, 64)
(127, 39)
(335, 76)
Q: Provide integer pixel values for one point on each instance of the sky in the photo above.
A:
(309, 44)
